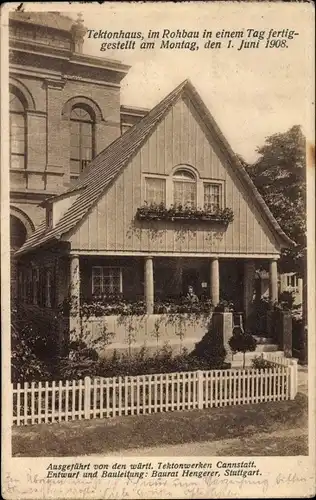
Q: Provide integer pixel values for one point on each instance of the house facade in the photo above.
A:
(164, 210)
(64, 109)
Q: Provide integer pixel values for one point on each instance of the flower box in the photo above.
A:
(184, 214)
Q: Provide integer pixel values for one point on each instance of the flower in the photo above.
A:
(159, 211)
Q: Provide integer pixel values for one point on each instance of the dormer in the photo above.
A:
(56, 207)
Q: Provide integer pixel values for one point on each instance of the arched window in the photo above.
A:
(184, 188)
(81, 139)
(17, 132)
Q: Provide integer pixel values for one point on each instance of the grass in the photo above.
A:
(97, 436)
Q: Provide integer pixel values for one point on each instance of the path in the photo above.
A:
(287, 442)
(303, 379)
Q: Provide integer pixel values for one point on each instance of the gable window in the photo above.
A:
(155, 190)
(17, 132)
(213, 196)
(81, 140)
(184, 188)
(106, 280)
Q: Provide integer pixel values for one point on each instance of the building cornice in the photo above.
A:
(55, 84)
(18, 70)
(74, 59)
(220, 255)
(133, 111)
(31, 195)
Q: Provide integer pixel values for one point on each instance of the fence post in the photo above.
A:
(87, 394)
(293, 378)
(200, 389)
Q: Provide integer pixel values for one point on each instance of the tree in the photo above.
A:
(279, 175)
(242, 342)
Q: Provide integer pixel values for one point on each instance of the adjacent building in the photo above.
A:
(64, 109)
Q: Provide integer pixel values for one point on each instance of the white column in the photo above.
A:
(249, 288)
(74, 320)
(273, 281)
(149, 285)
(214, 281)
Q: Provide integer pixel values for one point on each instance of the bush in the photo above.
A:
(208, 351)
(123, 364)
(286, 299)
(261, 364)
(34, 343)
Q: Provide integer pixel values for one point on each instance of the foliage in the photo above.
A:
(81, 355)
(34, 344)
(211, 352)
(155, 211)
(299, 339)
(224, 306)
(182, 305)
(141, 363)
(259, 363)
(242, 342)
(286, 301)
(116, 305)
(279, 176)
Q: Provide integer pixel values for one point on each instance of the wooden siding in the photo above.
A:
(179, 138)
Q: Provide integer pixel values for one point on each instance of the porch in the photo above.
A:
(144, 300)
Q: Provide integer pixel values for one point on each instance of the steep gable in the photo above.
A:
(109, 165)
(181, 137)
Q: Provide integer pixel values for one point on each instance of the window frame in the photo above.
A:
(36, 285)
(210, 182)
(22, 114)
(192, 180)
(170, 179)
(120, 269)
(155, 177)
(81, 147)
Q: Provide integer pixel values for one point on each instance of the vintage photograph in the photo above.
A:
(158, 239)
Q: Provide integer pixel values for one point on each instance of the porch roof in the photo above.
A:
(107, 165)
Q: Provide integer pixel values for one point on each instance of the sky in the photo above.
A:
(252, 93)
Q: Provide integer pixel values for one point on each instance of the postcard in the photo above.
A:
(158, 250)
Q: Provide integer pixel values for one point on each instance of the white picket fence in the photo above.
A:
(44, 402)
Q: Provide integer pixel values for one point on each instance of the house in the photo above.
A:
(166, 206)
(64, 110)
(287, 282)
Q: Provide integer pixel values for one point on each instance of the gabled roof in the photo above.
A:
(105, 167)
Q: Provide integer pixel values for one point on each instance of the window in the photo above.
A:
(106, 280)
(17, 132)
(155, 190)
(213, 196)
(184, 184)
(21, 294)
(291, 281)
(35, 279)
(49, 216)
(81, 140)
(48, 288)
